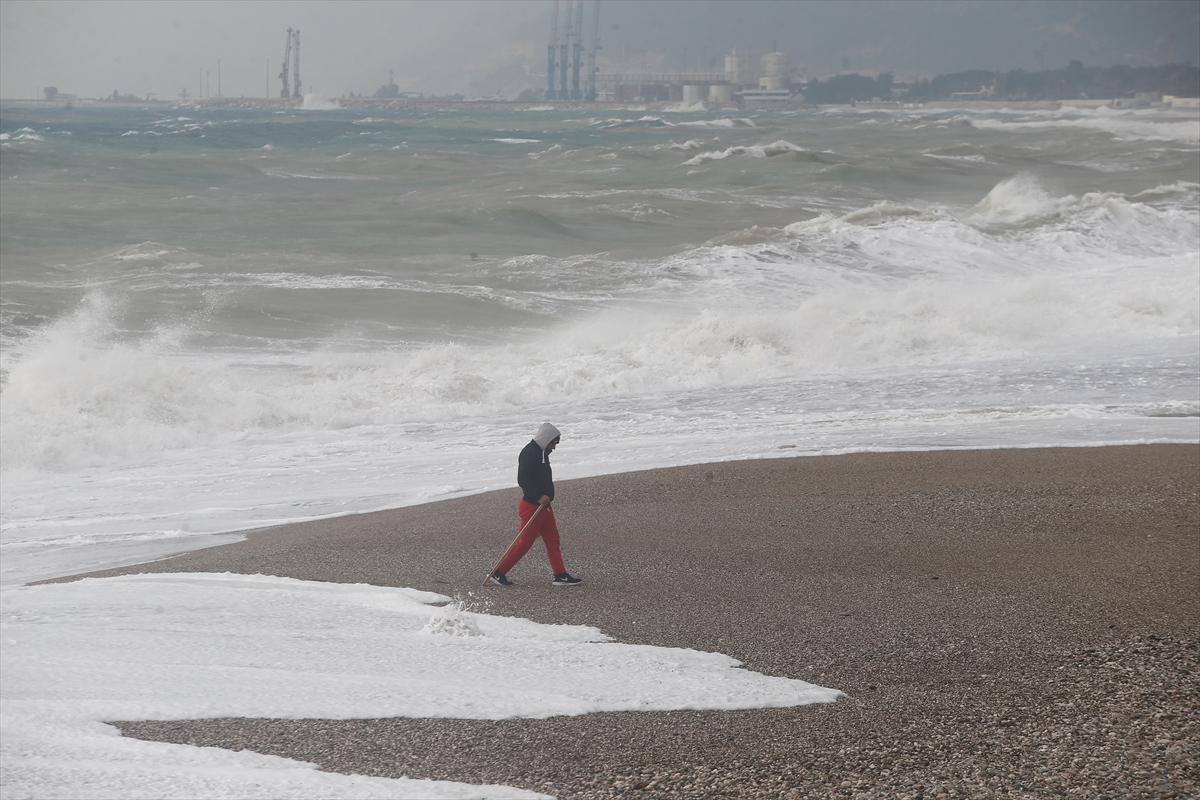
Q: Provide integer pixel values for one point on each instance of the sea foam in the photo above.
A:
(921, 287)
(184, 361)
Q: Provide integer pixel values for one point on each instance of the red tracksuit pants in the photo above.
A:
(544, 525)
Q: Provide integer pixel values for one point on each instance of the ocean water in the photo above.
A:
(215, 320)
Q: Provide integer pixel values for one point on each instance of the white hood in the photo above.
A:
(545, 435)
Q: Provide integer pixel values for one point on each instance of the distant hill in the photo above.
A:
(1073, 82)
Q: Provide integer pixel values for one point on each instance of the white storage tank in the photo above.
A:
(693, 95)
(739, 68)
(720, 93)
(775, 69)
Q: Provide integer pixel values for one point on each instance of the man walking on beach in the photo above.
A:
(537, 491)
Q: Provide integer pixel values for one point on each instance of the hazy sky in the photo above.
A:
(478, 47)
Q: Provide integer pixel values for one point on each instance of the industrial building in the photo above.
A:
(774, 81)
(747, 79)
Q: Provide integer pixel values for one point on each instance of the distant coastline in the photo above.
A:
(379, 104)
(1171, 86)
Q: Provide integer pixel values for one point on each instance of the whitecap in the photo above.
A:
(756, 151)
(23, 135)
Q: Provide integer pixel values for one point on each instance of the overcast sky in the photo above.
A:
(478, 47)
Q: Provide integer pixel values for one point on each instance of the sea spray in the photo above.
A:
(887, 285)
(270, 316)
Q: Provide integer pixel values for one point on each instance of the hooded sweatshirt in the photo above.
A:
(534, 475)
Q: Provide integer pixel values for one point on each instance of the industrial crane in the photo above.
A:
(565, 54)
(591, 83)
(296, 69)
(576, 51)
(563, 60)
(550, 53)
(287, 56)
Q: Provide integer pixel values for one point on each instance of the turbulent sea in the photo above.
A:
(217, 320)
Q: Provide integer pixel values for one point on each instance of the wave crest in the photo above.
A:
(777, 148)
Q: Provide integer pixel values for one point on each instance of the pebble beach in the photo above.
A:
(1004, 623)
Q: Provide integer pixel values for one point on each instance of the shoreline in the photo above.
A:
(777, 453)
(1009, 620)
(402, 104)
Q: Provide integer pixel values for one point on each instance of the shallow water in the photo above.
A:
(216, 320)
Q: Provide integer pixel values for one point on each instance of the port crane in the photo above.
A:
(591, 83)
(550, 54)
(296, 93)
(576, 51)
(287, 57)
(565, 54)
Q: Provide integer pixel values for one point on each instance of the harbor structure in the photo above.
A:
(774, 81)
(296, 93)
(739, 68)
(565, 55)
(287, 57)
(775, 69)
(747, 79)
(291, 60)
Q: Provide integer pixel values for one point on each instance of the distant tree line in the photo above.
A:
(849, 87)
(1072, 82)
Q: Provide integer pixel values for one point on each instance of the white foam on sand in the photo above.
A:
(189, 646)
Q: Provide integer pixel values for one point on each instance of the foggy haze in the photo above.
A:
(483, 48)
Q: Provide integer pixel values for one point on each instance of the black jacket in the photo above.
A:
(533, 473)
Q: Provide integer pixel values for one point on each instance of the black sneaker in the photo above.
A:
(500, 579)
(563, 579)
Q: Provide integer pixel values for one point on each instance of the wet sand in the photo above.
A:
(1004, 623)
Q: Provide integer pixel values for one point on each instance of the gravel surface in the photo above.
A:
(1009, 623)
(1117, 721)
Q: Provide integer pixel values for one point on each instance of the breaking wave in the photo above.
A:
(890, 284)
(755, 151)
